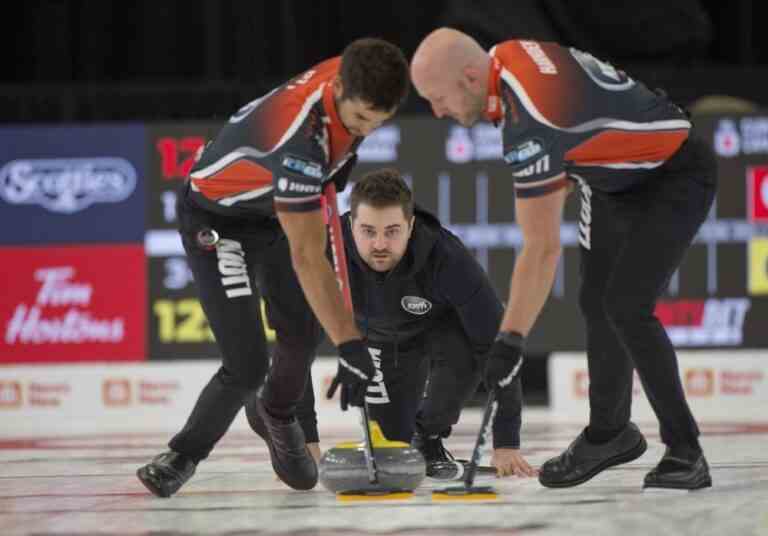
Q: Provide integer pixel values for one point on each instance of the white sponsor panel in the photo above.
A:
(747, 135)
(720, 386)
(380, 145)
(92, 398)
(480, 142)
(67, 185)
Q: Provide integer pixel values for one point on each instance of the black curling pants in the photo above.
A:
(632, 243)
(251, 259)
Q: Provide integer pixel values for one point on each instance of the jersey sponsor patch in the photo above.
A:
(303, 166)
(284, 184)
(540, 166)
(416, 305)
(523, 152)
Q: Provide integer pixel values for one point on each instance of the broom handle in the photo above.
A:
(482, 438)
(331, 215)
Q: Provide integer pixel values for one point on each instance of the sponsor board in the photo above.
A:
(746, 135)
(758, 267)
(178, 327)
(76, 303)
(121, 397)
(757, 194)
(381, 145)
(480, 142)
(171, 151)
(704, 322)
(719, 385)
(72, 184)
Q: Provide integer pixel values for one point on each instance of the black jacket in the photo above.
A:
(437, 283)
(437, 277)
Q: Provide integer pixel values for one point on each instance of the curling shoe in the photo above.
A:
(291, 460)
(441, 465)
(166, 473)
(680, 468)
(583, 460)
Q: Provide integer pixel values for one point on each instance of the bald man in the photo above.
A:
(570, 120)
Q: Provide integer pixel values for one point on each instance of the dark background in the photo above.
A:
(83, 60)
(171, 60)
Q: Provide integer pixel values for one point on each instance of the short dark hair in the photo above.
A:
(380, 189)
(376, 72)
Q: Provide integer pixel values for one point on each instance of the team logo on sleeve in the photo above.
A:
(524, 151)
(285, 184)
(302, 166)
(416, 305)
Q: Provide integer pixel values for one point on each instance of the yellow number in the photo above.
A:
(166, 325)
(268, 331)
(193, 326)
(183, 321)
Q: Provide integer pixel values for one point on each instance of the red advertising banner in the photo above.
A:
(757, 193)
(75, 303)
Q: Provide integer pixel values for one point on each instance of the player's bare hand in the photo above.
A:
(510, 462)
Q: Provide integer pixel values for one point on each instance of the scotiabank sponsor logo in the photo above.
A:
(116, 392)
(33, 393)
(120, 392)
(73, 304)
(67, 185)
(757, 193)
(700, 382)
(10, 394)
(710, 322)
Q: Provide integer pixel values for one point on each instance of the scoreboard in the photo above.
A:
(718, 297)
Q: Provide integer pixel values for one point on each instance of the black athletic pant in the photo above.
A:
(636, 240)
(250, 260)
(425, 384)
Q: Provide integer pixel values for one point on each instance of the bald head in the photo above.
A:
(450, 70)
(446, 53)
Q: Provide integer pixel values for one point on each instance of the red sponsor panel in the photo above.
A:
(757, 193)
(76, 303)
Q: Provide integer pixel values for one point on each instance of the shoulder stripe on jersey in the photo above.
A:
(251, 151)
(251, 194)
(601, 122)
(632, 165)
(241, 176)
(627, 147)
(297, 200)
(543, 182)
(224, 161)
(542, 187)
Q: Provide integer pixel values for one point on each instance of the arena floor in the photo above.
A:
(85, 484)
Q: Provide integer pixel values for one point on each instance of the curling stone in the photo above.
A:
(400, 467)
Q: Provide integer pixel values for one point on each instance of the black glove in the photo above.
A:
(504, 360)
(356, 370)
(346, 395)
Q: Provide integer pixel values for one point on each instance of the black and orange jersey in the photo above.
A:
(566, 114)
(276, 152)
